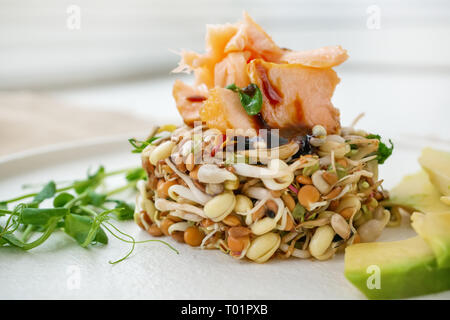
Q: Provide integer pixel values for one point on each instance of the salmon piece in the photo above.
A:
(217, 37)
(325, 57)
(232, 69)
(189, 100)
(297, 86)
(221, 40)
(253, 38)
(187, 62)
(295, 97)
(223, 110)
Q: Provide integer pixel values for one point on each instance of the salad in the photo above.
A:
(261, 166)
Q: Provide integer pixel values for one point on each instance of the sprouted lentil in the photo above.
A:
(326, 197)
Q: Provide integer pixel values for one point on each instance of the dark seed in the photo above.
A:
(337, 238)
(270, 213)
(250, 90)
(305, 146)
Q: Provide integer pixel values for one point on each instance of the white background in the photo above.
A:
(125, 39)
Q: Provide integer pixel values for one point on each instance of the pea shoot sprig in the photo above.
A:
(79, 209)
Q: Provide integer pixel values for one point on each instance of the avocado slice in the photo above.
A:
(417, 192)
(434, 228)
(437, 164)
(406, 268)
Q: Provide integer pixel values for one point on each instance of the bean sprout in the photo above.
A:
(343, 180)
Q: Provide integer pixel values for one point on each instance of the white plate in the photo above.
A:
(60, 269)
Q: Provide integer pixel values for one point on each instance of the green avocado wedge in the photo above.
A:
(437, 164)
(395, 270)
(418, 193)
(419, 265)
(434, 228)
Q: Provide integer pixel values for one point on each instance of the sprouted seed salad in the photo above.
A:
(306, 198)
(261, 167)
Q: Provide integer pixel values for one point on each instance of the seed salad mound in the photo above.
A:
(262, 166)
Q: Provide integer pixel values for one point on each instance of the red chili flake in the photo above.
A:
(214, 150)
(196, 98)
(269, 91)
(293, 189)
(219, 146)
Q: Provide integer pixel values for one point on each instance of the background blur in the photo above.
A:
(71, 70)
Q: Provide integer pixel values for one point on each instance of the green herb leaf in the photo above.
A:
(94, 198)
(383, 151)
(41, 216)
(47, 192)
(139, 146)
(94, 234)
(92, 181)
(79, 227)
(52, 223)
(61, 199)
(250, 97)
(76, 214)
(4, 209)
(8, 238)
(136, 174)
(299, 212)
(124, 211)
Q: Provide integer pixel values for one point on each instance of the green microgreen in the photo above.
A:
(81, 209)
(299, 212)
(139, 146)
(250, 97)
(383, 151)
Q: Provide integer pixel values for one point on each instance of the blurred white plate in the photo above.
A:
(60, 269)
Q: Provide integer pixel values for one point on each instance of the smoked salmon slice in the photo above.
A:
(222, 40)
(223, 110)
(325, 57)
(232, 69)
(189, 100)
(297, 86)
(253, 38)
(295, 97)
(203, 65)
